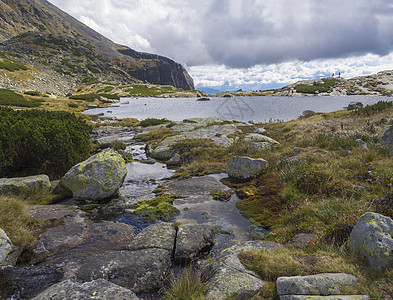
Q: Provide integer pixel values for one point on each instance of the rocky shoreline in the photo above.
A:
(79, 258)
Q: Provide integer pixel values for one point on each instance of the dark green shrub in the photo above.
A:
(152, 122)
(90, 80)
(37, 141)
(312, 89)
(111, 96)
(12, 65)
(32, 93)
(338, 233)
(87, 97)
(73, 105)
(10, 98)
(373, 109)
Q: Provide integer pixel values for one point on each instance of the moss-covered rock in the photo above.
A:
(25, 185)
(98, 177)
(5, 245)
(372, 238)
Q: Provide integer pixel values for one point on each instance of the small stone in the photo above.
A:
(361, 144)
(260, 130)
(255, 147)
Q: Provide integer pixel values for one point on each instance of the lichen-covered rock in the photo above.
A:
(25, 185)
(256, 137)
(372, 238)
(99, 289)
(303, 240)
(243, 168)
(227, 275)
(98, 177)
(193, 241)
(386, 140)
(320, 284)
(160, 235)
(5, 246)
(256, 147)
(139, 271)
(339, 297)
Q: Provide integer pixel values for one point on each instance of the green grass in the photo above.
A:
(90, 80)
(187, 286)
(147, 91)
(106, 89)
(12, 65)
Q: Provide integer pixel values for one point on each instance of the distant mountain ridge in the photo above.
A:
(39, 34)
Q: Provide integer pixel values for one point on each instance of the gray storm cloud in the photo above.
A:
(242, 33)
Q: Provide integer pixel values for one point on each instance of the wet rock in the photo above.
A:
(25, 185)
(160, 236)
(195, 190)
(361, 144)
(303, 240)
(244, 168)
(387, 140)
(227, 275)
(372, 238)
(354, 105)
(139, 271)
(255, 137)
(99, 289)
(71, 232)
(5, 246)
(27, 282)
(101, 238)
(97, 178)
(256, 147)
(192, 242)
(320, 284)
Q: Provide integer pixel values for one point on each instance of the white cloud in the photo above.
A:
(250, 41)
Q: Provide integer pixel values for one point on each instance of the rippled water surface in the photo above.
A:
(261, 109)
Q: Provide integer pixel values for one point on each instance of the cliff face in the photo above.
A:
(58, 42)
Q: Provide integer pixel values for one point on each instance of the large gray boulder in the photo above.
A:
(139, 271)
(320, 284)
(372, 238)
(193, 241)
(5, 246)
(243, 168)
(99, 289)
(98, 177)
(386, 140)
(25, 185)
(227, 275)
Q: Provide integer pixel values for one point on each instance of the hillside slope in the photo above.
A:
(57, 46)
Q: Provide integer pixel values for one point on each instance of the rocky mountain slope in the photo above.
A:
(59, 52)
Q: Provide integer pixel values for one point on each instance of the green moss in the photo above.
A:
(159, 207)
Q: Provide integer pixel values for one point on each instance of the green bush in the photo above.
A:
(152, 122)
(10, 98)
(12, 65)
(322, 88)
(111, 96)
(32, 93)
(373, 109)
(37, 141)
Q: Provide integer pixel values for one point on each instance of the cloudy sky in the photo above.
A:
(250, 44)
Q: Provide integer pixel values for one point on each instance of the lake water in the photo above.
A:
(261, 109)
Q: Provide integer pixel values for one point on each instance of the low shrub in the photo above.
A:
(153, 122)
(37, 141)
(110, 96)
(10, 98)
(87, 97)
(373, 109)
(12, 65)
